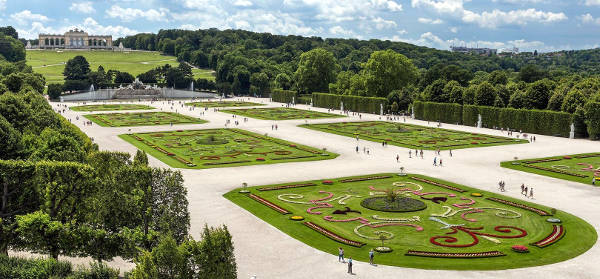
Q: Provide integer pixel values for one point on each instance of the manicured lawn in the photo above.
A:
(214, 148)
(111, 107)
(280, 113)
(412, 136)
(50, 63)
(142, 119)
(477, 224)
(222, 104)
(580, 168)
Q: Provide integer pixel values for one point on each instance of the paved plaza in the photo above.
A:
(266, 252)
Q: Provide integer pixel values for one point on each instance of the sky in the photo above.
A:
(543, 25)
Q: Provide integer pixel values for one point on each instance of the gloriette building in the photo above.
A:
(75, 39)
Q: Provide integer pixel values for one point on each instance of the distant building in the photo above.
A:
(470, 50)
(75, 39)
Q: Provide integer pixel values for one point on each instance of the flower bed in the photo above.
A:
(327, 182)
(269, 204)
(226, 163)
(281, 187)
(297, 218)
(364, 178)
(558, 231)
(438, 184)
(292, 158)
(541, 161)
(399, 205)
(478, 195)
(260, 159)
(520, 205)
(332, 235)
(454, 255)
(587, 156)
(556, 171)
(520, 249)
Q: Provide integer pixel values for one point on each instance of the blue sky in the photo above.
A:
(544, 25)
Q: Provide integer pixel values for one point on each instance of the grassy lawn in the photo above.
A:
(222, 104)
(412, 136)
(142, 119)
(214, 148)
(327, 206)
(50, 63)
(280, 113)
(111, 107)
(580, 168)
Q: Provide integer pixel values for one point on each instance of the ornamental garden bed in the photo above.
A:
(580, 168)
(111, 107)
(280, 113)
(223, 104)
(212, 148)
(454, 230)
(411, 136)
(141, 119)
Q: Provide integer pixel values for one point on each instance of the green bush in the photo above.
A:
(447, 113)
(284, 96)
(352, 103)
(54, 90)
(19, 268)
(95, 271)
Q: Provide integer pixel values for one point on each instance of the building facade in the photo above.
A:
(471, 50)
(75, 39)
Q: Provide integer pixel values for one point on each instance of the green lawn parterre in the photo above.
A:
(425, 233)
(50, 63)
(111, 107)
(412, 136)
(222, 104)
(214, 148)
(280, 113)
(142, 119)
(579, 167)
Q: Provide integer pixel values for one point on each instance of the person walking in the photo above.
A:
(531, 193)
(435, 161)
(350, 265)
(441, 163)
(357, 149)
(397, 158)
(410, 154)
(371, 256)
(450, 152)
(525, 194)
(341, 255)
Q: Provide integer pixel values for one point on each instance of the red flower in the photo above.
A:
(327, 182)
(260, 159)
(520, 248)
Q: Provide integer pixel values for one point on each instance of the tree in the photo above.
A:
(283, 81)
(11, 49)
(574, 99)
(386, 71)
(124, 77)
(77, 68)
(498, 77)
(518, 100)
(261, 82)
(54, 90)
(531, 73)
(435, 92)
(485, 94)
(9, 31)
(453, 92)
(140, 158)
(10, 141)
(316, 70)
(469, 95)
(538, 94)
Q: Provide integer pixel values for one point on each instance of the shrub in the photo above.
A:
(19, 268)
(284, 96)
(54, 90)
(592, 119)
(352, 103)
(95, 271)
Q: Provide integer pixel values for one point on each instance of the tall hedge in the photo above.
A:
(352, 103)
(284, 96)
(532, 121)
(448, 113)
(592, 119)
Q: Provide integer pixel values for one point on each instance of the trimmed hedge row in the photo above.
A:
(284, 96)
(449, 113)
(20, 268)
(352, 103)
(542, 122)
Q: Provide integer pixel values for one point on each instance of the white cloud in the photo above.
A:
(2, 5)
(592, 2)
(26, 16)
(381, 23)
(89, 25)
(425, 20)
(489, 19)
(454, 29)
(130, 14)
(83, 7)
(347, 10)
(340, 31)
(588, 18)
(242, 3)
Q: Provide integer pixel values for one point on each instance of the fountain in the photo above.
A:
(342, 106)
(137, 90)
(381, 109)
(413, 113)
(92, 88)
(192, 86)
(479, 123)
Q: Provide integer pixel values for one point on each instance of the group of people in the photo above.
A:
(501, 185)
(528, 193)
(342, 260)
